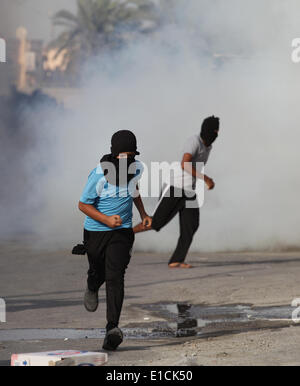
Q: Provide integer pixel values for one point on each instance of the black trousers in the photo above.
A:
(109, 254)
(170, 204)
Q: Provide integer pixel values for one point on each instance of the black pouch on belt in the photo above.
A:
(79, 249)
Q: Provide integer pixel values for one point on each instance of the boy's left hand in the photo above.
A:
(147, 221)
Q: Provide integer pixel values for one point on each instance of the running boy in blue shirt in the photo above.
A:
(107, 201)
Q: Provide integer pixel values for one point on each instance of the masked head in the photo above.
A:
(119, 166)
(210, 130)
(123, 141)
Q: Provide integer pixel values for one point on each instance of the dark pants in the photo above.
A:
(170, 204)
(109, 254)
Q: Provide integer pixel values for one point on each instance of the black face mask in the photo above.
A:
(210, 130)
(209, 136)
(118, 172)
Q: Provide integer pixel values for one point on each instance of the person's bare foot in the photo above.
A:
(184, 265)
(174, 265)
(141, 228)
(180, 265)
(138, 228)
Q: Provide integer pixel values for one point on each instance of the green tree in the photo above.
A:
(100, 25)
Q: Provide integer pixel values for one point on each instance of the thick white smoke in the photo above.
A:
(162, 88)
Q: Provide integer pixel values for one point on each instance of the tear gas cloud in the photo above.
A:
(227, 58)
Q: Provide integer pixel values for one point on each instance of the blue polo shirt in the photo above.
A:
(110, 199)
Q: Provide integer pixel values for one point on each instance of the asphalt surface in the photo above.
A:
(43, 291)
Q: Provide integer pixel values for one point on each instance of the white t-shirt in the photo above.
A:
(200, 154)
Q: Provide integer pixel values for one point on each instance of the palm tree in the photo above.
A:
(100, 25)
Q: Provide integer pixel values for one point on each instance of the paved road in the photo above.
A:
(43, 291)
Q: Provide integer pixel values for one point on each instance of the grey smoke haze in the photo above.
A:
(34, 15)
(162, 88)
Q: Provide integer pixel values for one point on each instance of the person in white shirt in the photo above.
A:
(174, 197)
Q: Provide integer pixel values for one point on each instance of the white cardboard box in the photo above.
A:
(60, 358)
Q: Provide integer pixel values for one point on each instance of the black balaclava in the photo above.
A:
(209, 130)
(116, 170)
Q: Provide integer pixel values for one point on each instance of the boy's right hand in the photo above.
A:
(113, 221)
